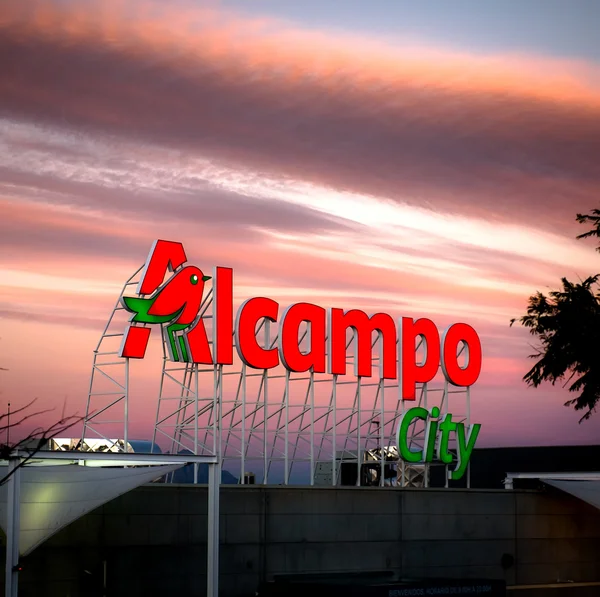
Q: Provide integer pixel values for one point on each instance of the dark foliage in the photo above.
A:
(567, 324)
(593, 217)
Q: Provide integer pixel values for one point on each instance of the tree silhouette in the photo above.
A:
(567, 324)
(593, 217)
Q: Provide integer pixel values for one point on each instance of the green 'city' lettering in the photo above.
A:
(437, 435)
(402, 437)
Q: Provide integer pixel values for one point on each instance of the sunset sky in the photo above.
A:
(417, 158)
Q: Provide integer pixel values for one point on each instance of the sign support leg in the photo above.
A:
(13, 527)
(214, 481)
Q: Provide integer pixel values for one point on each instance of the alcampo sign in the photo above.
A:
(175, 304)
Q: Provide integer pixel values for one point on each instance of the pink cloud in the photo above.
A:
(199, 125)
(514, 131)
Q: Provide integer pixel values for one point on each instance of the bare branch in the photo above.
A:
(17, 423)
(38, 437)
(57, 428)
(16, 412)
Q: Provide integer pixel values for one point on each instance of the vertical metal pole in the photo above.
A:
(403, 482)
(126, 413)
(220, 452)
(333, 431)
(358, 448)
(468, 427)
(13, 527)
(214, 476)
(160, 393)
(216, 413)
(381, 392)
(88, 405)
(195, 374)
(382, 428)
(286, 474)
(426, 465)
(446, 401)
(266, 402)
(243, 464)
(312, 427)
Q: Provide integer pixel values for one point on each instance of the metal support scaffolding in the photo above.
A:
(108, 396)
(277, 426)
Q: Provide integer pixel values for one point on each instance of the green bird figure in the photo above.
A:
(176, 303)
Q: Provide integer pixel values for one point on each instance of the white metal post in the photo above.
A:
(160, 393)
(333, 430)
(90, 394)
(444, 412)
(13, 527)
(468, 426)
(382, 428)
(426, 465)
(403, 412)
(126, 409)
(220, 454)
(358, 423)
(286, 448)
(214, 478)
(266, 406)
(243, 452)
(312, 427)
(195, 376)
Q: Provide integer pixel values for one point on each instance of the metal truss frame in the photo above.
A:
(109, 380)
(277, 422)
(274, 422)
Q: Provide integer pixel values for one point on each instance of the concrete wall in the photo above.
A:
(153, 539)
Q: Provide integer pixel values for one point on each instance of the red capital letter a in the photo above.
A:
(165, 255)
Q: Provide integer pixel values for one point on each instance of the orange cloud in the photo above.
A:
(399, 122)
(128, 121)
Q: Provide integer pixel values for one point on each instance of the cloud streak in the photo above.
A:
(425, 128)
(320, 166)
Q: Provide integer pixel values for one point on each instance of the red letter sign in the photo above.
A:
(177, 305)
(248, 348)
(165, 255)
(363, 326)
(223, 324)
(291, 357)
(456, 375)
(410, 372)
(174, 305)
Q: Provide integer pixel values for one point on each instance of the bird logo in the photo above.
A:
(174, 304)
